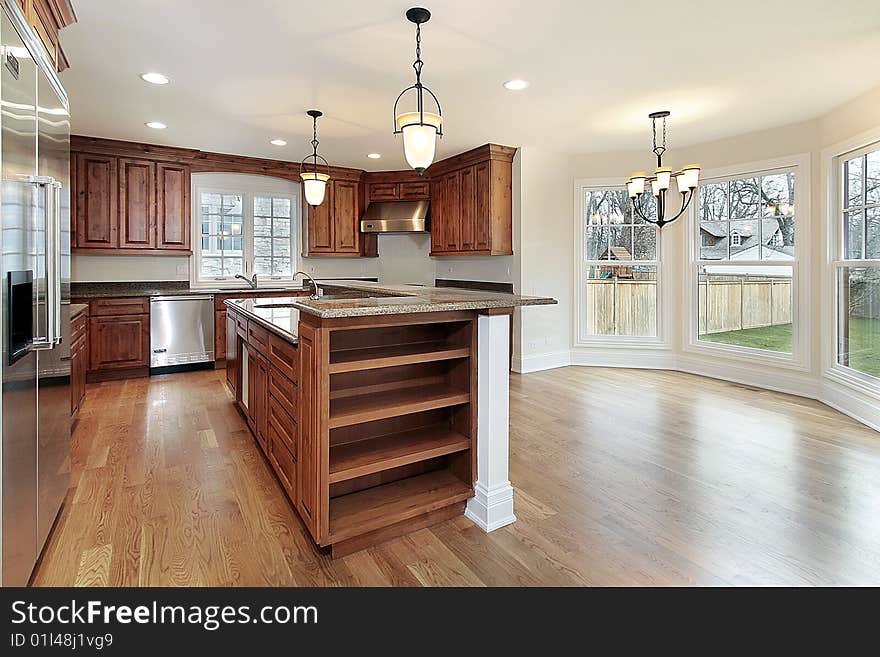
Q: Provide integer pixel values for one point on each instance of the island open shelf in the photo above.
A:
(389, 420)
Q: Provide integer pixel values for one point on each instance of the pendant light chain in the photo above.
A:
(659, 150)
(315, 141)
(417, 65)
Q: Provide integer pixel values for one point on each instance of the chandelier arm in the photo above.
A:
(638, 210)
(686, 201)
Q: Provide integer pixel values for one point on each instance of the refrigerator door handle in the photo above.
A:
(52, 189)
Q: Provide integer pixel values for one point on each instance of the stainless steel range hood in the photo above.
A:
(397, 217)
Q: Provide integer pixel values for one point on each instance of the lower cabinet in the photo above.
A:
(261, 375)
(79, 360)
(119, 342)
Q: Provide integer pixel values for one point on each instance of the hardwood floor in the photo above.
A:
(622, 477)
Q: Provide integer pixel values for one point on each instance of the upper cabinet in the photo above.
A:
(129, 205)
(48, 18)
(332, 229)
(471, 203)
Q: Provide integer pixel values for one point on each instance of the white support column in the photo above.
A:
(492, 504)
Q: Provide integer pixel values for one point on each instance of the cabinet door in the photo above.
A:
(452, 211)
(172, 206)
(220, 335)
(481, 213)
(383, 192)
(414, 191)
(77, 372)
(119, 341)
(467, 212)
(137, 206)
(261, 401)
(96, 206)
(346, 220)
(232, 356)
(320, 224)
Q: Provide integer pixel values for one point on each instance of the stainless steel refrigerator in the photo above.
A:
(34, 295)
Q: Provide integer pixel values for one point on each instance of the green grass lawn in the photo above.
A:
(772, 338)
(864, 341)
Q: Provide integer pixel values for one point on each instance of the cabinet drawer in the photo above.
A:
(383, 192)
(285, 357)
(414, 191)
(258, 337)
(281, 425)
(284, 390)
(123, 306)
(284, 464)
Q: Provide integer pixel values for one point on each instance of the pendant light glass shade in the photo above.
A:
(419, 139)
(636, 184)
(315, 187)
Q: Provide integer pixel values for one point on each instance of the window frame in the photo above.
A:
(580, 337)
(248, 186)
(834, 160)
(800, 356)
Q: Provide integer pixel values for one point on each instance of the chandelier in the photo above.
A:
(686, 180)
(420, 128)
(314, 182)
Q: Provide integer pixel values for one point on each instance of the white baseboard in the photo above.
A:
(538, 362)
(635, 357)
(491, 509)
(849, 401)
(790, 382)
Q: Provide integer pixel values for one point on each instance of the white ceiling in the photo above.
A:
(245, 72)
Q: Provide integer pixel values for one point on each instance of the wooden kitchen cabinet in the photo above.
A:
(47, 18)
(96, 206)
(172, 207)
(79, 359)
(333, 229)
(232, 352)
(129, 203)
(471, 203)
(119, 342)
(137, 206)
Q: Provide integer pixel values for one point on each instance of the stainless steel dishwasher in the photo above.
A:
(181, 332)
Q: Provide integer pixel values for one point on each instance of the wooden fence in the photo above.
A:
(727, 303)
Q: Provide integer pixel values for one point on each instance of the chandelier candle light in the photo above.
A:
(420, 128)
(686, 180)
(314, 182)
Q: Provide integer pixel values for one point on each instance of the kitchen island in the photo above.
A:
(382, 409)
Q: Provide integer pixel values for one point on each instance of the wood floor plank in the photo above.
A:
(621, 477)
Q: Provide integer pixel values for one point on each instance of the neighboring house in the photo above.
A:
(616, 253)
(746, 240)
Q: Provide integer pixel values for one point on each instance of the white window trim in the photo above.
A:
(250, 185)
(800, 358)
(579, 336)
(833, 252)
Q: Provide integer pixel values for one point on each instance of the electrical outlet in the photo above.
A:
(182, 270)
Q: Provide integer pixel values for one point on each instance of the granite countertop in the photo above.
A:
(77, 308)
(161, 288)
(400, 299)
(282, 319)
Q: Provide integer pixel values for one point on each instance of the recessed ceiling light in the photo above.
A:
(516, 84)
(374, 156)
(155, 125)
(278, 142)
(154, 78)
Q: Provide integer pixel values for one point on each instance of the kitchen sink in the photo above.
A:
(281, 303)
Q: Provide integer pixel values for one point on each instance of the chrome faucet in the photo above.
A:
(250, 281)
(318, 293)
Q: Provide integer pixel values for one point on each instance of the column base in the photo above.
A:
(491, 509)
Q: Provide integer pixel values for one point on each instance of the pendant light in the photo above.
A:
(314, 182)
(420, 128)
(686, 179)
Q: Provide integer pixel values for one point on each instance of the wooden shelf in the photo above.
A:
(370, 406)
(381, 506)
(368, 358)
(364, 457)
